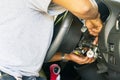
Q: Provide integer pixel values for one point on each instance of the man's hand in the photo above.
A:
(80, 59)
(94, 26)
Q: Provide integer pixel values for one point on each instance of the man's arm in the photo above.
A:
(85, 9)
(72, 57)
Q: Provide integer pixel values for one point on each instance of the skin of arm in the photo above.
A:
(72, 57)
(94, 26)
(85, 9)
(81, 8)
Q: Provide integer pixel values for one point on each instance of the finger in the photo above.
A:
(89, 60)
(93, 60)
(95, 30)
(93, 33)
(95, 41)
(83, 60)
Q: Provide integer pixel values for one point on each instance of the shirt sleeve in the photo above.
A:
(46, 6)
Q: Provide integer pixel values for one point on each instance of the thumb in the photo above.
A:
(95, 41)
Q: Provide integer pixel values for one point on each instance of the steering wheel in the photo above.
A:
(68, 18)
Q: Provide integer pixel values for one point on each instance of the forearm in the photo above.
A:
(72, 57)
(85, 9)
(58, 56)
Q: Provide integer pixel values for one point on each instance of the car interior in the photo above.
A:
(68, 36)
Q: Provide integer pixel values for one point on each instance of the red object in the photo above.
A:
(54, 71)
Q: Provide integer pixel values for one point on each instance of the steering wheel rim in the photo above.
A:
(65, 26)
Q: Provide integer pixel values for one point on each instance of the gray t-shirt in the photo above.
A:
(26, 29)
